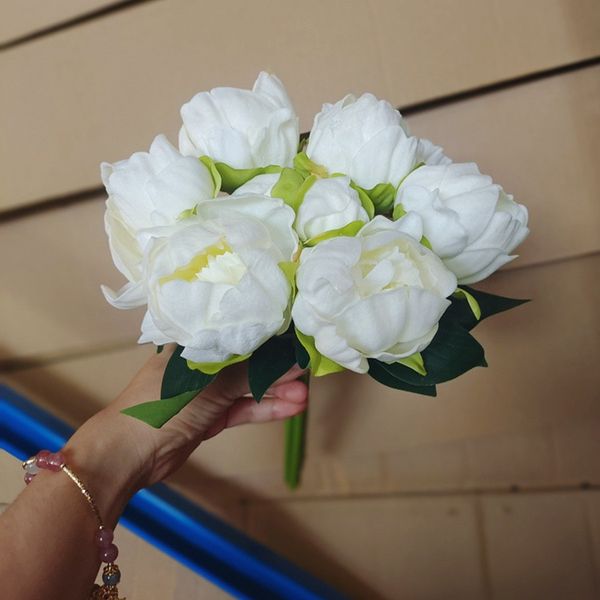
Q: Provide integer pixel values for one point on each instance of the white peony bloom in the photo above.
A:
(364, 138)
(469, 221)
(241, 128)
(214, 280)
(148, 189)
(327, 205)
(377, 295)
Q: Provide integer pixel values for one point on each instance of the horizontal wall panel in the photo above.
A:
(538, 546)
(103, 89)
(541, 142)
(437, 48)
(380, 548)
(23, 18)
(75, 389)
(523, 547)
(531, 419)
(52, 265)
(593, 513)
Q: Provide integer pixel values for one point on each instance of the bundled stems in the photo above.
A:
(295, 435)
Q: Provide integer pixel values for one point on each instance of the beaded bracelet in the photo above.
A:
(111, 576)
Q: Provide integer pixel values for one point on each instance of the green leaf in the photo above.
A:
(301, 192)
(287, 187)
(306, 167)
(349, 230)
(302, 356)
(289, 270)
(303, 142)
(452, 352)
(366, 202)
(214, 368)
(214, 173)
(380, 372)
(382, 196)
(489, 304)
(414, 362)
(160, 348)
(178, 378)
(398, 212)
(473, 304)
(158, 412)
(187, 213)
(425, 242)
(269, 362)
(232, 179)
(319, 365)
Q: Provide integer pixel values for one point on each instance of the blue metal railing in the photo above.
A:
(180, 528)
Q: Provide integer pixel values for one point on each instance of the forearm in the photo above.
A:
(47, 534)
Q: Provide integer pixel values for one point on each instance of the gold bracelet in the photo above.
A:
(111, 576)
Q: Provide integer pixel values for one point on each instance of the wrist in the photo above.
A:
(103, 452)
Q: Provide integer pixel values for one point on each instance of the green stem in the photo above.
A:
(295, 434)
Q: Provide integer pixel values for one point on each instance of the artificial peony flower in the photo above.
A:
(364, 138)
(148, 189)
(329, 205)
(214, 280)
(244, 129)
(469, 221)
(326, 205)
(377, 295)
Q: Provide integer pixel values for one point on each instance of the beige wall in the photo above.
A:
(403, 496)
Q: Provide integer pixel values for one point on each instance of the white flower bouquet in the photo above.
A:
(349, 249)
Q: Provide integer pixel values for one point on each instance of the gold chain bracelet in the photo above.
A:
(111, 576)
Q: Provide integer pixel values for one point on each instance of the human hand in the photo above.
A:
(142, 455)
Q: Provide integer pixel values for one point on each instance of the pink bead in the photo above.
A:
(42, 459)
(109, 554)
(28, 478)
(104, 537)
(55, 461)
